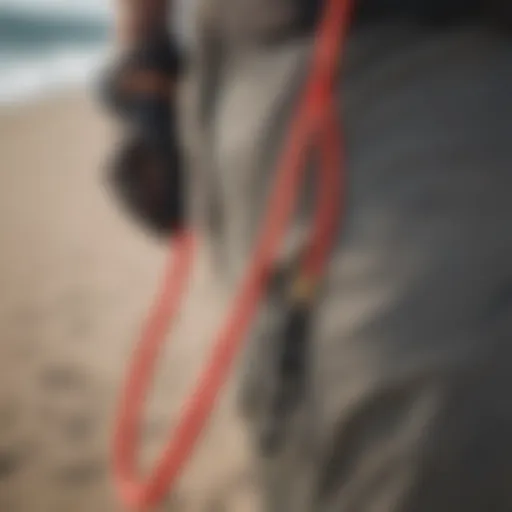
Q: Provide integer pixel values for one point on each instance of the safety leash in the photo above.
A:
(314, 127)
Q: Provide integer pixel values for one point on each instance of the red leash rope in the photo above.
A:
(314, 126)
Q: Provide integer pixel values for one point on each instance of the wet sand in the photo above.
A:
(76, 279)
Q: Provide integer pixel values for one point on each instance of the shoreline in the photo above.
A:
(51, 98)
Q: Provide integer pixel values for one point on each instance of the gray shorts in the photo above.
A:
(407, 408)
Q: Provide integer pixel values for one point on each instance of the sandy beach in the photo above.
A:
(76, 279)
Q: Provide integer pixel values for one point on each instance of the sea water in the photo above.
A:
(46, 45)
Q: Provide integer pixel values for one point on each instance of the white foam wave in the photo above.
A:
(34, 77)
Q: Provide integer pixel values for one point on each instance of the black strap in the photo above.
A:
(294, 355)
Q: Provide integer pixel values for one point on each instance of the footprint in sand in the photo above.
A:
(14, 457)
(80, 472)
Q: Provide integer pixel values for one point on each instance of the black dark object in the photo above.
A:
(146, 172)
(292, 374)
(160, 55)
(149, 183)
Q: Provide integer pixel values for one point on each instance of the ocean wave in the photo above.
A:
(45, 52)
(28, 78)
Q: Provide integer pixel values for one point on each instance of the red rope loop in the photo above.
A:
(314, 126)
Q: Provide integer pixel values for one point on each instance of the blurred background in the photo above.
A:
(46, 45)
(76, 279)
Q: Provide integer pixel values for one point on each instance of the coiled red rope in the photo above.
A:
(315, 126)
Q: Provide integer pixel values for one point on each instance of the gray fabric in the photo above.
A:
(412, 359)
